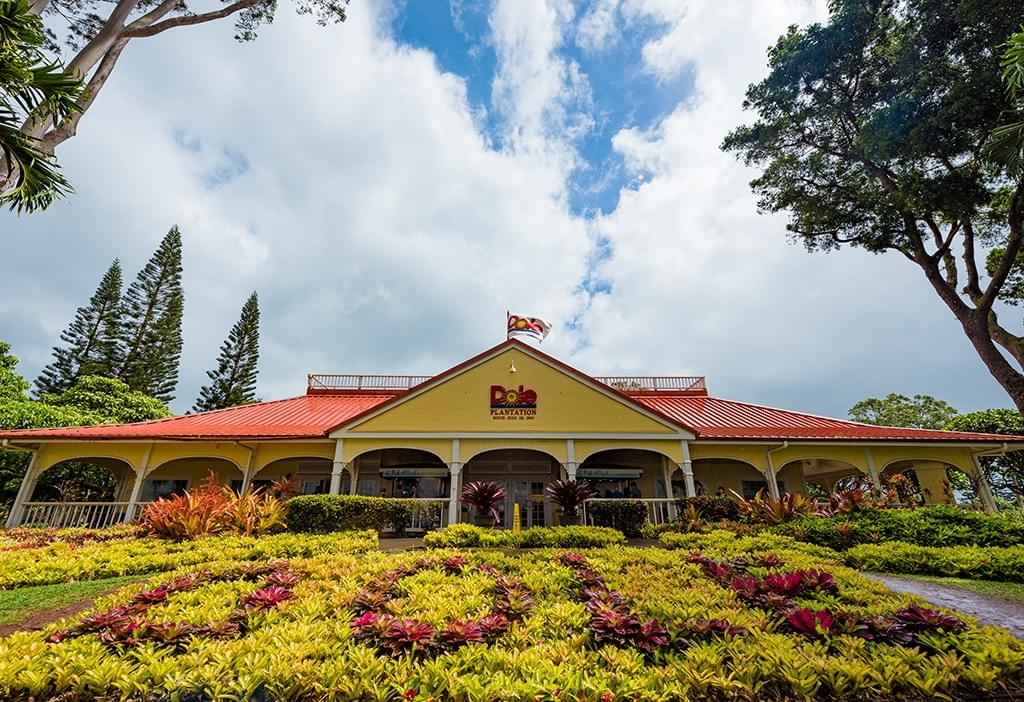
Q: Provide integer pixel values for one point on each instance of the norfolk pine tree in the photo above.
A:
(91, 338)
(150, 341)
(234, 380)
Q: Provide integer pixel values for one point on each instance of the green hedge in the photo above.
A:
(975, 562)
(467, 535)
(321, 514)
(625, 515)
(925, 526)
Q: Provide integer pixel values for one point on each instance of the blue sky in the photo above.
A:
(392, 185)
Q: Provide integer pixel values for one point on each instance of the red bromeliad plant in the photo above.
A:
(484, 496)
(570, 494)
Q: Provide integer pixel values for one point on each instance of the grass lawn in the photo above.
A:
(16, 605)
(1008, 591)
(742, 618)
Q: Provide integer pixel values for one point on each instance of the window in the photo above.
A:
(750, 488)
(155, 489)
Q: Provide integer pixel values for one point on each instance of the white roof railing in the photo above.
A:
(623, 383)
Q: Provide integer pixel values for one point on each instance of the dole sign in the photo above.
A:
(513, 403)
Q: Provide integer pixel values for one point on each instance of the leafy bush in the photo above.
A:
(712, 509)
(977, 562)
(615, 624)
(213, 509)
(320, 514)
(467, 535)
(926, 526)
(628, 516)
(762, 508)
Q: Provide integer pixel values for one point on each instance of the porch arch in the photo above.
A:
(110, 484)
(822, 470)
(176, 474)
(524, 472)
(397, 471)
(728, 474)
(626, 471)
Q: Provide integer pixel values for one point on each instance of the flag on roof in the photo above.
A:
(527, 326)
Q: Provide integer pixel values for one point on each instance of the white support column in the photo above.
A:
(337, 466)
(773, 483)
(984, 489)
(876, 478)
(570, 459)
(28, 485)
(687, 466)
(666, 475)
(249, 471)
(454, 470)
(140, 479)
(353, 471)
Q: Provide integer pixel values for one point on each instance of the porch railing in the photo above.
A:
(659, 509)
(91, 515)
(428, 513)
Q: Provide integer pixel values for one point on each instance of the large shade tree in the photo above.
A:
(874, 130)
(97, 32)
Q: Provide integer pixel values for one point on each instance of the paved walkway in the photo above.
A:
(991, 611)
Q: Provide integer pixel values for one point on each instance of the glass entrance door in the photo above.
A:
(529, 495)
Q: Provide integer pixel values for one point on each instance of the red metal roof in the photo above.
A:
(307, 416)
(316, 415)
(715, 418)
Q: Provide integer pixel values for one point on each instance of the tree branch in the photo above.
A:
(1013, 246)
(188, 20)
(67, 129)
(973, 287)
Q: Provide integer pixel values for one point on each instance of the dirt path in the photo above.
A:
(991, 611)
(40, 618)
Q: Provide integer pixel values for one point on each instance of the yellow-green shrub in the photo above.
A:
(62, 562)
(304, 649)
(978, 562)
(468, 535)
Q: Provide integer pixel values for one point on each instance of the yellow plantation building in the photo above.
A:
(511, 414)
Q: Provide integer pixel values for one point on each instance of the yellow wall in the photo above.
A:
(671, 449)
(353, 447)
(555, 448)
(195, 470)
(745, 453)
(564, 404)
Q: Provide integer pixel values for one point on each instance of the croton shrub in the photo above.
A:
(733, 618)
(71, 555)
(468, 536)
(326, 513)
(627, 516)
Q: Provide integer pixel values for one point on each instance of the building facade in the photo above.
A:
(511, 414)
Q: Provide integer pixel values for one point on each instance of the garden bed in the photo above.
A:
(745, 617)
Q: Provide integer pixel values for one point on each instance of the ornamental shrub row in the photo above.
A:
(627, 516)
(926, 526)
(66, 561)
(524, 625)
(468, 536)
(321, 514)
(978, 562)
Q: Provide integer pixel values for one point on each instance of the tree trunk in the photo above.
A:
(976, 328)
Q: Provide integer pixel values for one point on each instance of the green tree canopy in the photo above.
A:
(233, 382)
(871, 131)
(92, 400)
(29, 83)
(894, 410)
(1004, 473)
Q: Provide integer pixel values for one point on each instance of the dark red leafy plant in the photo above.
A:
(125, 626)
(397, 637)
